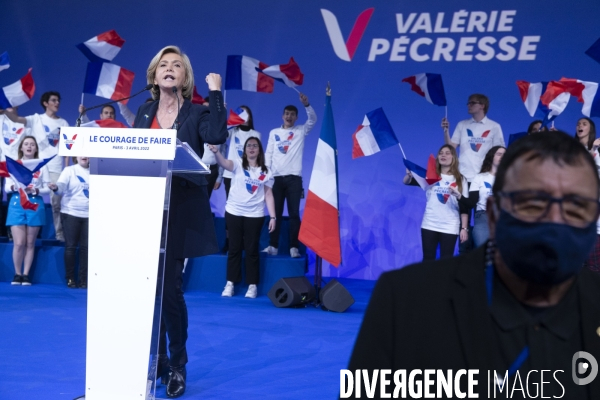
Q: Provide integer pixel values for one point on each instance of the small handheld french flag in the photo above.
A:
(530, 94)
(375, 134)
(108, 80)
(104, 123)
(243, 73)
(102, 48)
(237, 117)
(424, 177)
(289, 73)
(17, 93)
(429, 86)
(4, 61)
(21, 172)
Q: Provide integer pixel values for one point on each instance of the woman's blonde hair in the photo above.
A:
(188, 83)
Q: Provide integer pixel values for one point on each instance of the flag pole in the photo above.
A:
(293, 87)
(446, 107)
(82, 98)
(402, 150)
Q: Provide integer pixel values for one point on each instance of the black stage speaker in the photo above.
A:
(335, 297)
(292, 292)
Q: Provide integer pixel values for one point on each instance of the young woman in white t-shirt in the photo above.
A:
(74, 187)
(446, 209)
(480, 190)
(25, 224)
(244, 212)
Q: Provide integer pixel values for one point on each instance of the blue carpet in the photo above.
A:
(238, 348)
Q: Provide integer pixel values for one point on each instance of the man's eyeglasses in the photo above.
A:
(470, 103)
(533, 205)
(252, 146)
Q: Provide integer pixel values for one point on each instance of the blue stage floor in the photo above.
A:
(238, 348)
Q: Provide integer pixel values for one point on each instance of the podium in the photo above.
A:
(130, 180)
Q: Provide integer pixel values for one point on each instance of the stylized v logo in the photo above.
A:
(346, 51)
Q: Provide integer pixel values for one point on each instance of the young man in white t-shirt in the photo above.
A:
(475, 136)
(46, 130)
(284, 159)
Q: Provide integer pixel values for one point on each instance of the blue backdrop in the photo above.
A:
(481, 48)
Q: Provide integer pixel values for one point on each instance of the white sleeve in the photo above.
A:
(465, 187)
(269, 151)
(127, 114)
(44, 181)
(63, 180)
(456, 135)
(312, 119)
(498, 136)
(84, 119)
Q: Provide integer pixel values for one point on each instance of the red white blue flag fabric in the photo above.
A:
(4, 61)
(429, 86)
(21, 172)
(320, 229)
(586, 93)
(103, 123)
(237, 117)
(108, 80)
(289, 73)
(424, 177)
(375, 134)
(555, 97)
(17, 93)
(102, 48)
(243, 73)
(530, 94)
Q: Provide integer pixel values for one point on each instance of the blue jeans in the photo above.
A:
(481, 231)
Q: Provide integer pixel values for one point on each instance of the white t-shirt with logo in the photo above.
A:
(74, 186)
(475, 140)
(247, 193)
(46, 131)
(286, 146)
(235, 150)
(12, 133)
(441, 211)
(483, 184)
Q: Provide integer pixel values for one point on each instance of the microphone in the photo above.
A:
(176, 124)
(148, 87)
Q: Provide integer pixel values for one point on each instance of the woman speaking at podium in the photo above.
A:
(190, 226)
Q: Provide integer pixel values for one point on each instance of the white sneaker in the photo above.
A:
(294, 252)
(228, 291)
(251, 293)
(270, 250)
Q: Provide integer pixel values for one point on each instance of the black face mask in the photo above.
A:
(543, 252)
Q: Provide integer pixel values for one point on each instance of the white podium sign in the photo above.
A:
(129, 178)
(141, 144)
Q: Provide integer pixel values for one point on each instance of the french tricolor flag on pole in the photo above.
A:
(104, 123)
(586, 93)
(4, 61)
(237, 117)
(555, 97)
(108, 80)
(243, 73)
(320, 228)
(530, 94)
(424, 177)
(17, 93)
(375, 134)
(289, 73)
(102, 48)
(21, 172)
(429, 86)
